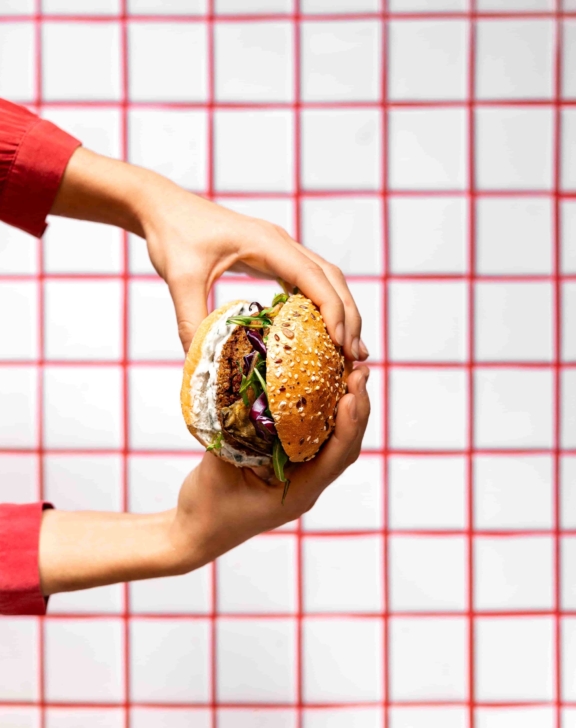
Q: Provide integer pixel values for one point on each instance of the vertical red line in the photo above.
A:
(470, 355)
(40, 370)
(124, 60)
(558, 29)
(386, 383)
(211, 151)
(298, 234)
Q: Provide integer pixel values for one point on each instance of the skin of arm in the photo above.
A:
(192, 242)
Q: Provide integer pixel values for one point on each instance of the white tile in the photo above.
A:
(256, 660)
(568, 408)
(359, 717)
(264, 161)
(428, 235)
(369, 297)
(232, 7)
(333, 578)
(514, 59)
(19, 478)
(428, 149)
(19, 330)
(254, 61)
(84, 660)
(81, 61)
(332, 227)
(156, 420)
(277, 210)
(513, 321)
(569, 5)
(99, 600)
(153, 329)
(427, 492)
(154, 481)
(342, 660)
(513, 573)
(170, 661)
(428, 409)
(428, 59)
(187, 594)
(138, 258)
(428, 659)
(341, 60)
(76, 246)
(172, 142)
(338, 6)
(373, 437)
(84, 482)
(428, 573)
(88, 7)
(568, 579)
(167, 7)
(513, 492)
(569, 715)
(258, 576)
(569, 58)
(17, 65)
(567, 236)
(256, 718)
(515, 5)
(341, 149)
(568, 336)
(248, 289)
(568, 491)
(86, 717)
(353, 501)
(428, 717)
(568, 665)
(513, 408)
(514, 148)
(514, 235)
(18, 251)
(19, 717)
(99, 129)
(533, 717)
(429, 6)
(428, 321)
(19, 659)
(82, 320)
(568, 166)
(176, 70)
(17, 7)
(18, 407)
(514, 659)
(170, 718)
(82, 407)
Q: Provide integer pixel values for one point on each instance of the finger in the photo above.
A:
(189, 297)
(354, 347)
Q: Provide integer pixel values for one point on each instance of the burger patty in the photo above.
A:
(233, 414)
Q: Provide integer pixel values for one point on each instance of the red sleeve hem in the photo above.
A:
(19, 569)
(35, 175)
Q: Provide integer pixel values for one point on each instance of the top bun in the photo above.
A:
(305, 378)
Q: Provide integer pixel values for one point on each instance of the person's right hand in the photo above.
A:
(221, 506)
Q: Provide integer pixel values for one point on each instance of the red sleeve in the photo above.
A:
(33, 156)
(19, 573)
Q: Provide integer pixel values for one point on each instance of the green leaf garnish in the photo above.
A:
(280, 298)
(261, 378)
(217, 444)
(251, 322)
(279, 460)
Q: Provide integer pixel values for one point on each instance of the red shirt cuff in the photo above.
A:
(35, 174)
(19, 569)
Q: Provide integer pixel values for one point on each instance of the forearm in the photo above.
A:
(79, 550)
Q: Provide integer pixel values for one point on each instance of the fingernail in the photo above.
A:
(356, 348)
(339, 334)
(364, 350)
(353, 410)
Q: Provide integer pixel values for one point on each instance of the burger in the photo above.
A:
(261, 385)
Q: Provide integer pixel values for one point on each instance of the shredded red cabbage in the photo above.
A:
(248, 361)
(258, 306)
(263, 422)
(257, 342)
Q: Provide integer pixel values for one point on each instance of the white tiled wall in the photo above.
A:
(428, 148)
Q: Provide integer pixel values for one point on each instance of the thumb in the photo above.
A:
(189, 297)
